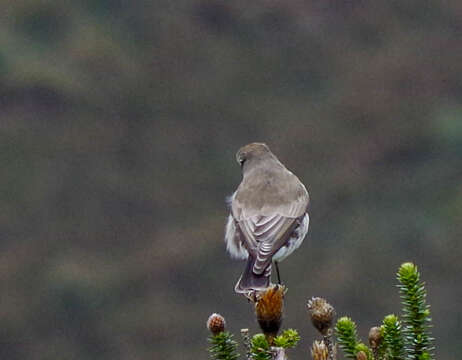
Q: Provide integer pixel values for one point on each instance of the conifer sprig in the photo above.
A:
(416, 313)
(365, 349)
(223, 347)
(260, 348)
(348, 339)
(393, 338)
(289, 338)
(347, 336)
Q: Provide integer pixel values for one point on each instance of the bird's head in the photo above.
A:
(251, 152)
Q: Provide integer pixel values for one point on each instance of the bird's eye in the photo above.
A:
(241, 161)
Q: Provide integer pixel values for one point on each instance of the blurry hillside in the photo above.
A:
(119, 123)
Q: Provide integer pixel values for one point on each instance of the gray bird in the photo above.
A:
(268, 218)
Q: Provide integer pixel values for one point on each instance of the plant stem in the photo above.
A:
(330, 346)
(246, 341)
(278, 353)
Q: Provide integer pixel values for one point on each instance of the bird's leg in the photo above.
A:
(277, 272)
(251, 296)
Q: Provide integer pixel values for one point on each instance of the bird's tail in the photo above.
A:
(250, 281)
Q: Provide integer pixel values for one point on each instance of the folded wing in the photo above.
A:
(267, 229)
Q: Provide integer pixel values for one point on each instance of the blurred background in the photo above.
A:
(118, 129)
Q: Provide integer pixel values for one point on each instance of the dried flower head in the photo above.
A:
(361, 355)
(322, 314)
(268, 309)
(319, 350)
(375, 337)
(216, 323)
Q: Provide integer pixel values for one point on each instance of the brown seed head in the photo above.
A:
(319, 350)
(322, 314)
(216, 323)
(268, 309)
(361, 355)
(375, 337)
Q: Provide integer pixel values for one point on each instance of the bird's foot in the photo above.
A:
(251, 296)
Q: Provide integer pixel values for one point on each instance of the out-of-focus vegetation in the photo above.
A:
(119, 123)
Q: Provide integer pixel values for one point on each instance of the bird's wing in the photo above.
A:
(233, 239)
(267, 229)
(267, 235)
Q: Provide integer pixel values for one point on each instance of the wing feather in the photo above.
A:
(263, 242)
(266, 220)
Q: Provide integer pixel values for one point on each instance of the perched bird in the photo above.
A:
(268, 217)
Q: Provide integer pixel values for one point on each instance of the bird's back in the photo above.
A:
(268, 191)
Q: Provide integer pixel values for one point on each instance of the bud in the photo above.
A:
(216, 323)
(268, 309)
(375, 337)
(361, 355)
(319, 351)
(322, 314)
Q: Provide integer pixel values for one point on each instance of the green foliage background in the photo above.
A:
(118, 128)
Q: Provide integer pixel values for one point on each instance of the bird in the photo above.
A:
(268, 217)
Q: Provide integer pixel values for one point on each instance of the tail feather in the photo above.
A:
(251, 281)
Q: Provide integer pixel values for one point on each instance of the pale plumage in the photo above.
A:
(268, 218)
